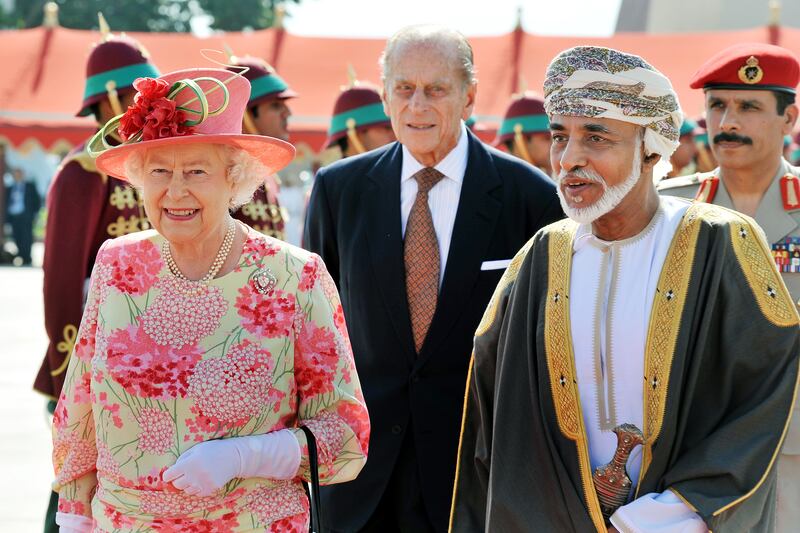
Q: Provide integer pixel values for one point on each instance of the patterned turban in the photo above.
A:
(591, 81)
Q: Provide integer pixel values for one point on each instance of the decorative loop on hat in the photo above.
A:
(155, 113)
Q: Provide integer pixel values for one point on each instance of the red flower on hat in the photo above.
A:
(153, 114)
(150, 89)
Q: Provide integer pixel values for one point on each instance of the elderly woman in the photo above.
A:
(204, 345)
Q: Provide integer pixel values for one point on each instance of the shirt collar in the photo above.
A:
(453, 166)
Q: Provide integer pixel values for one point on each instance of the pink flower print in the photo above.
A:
(235, 387)
(329, 430)
(148, 369)
(281, 500)
(60, 414)
(256, 248)
(102, 275)
(83, 388)
(224, 524)
(184, 312)
(356, 417)
(291, 524)
(191, 525)
(266, 315)
(110, 409)
(339, 321)
(329, 288)
(168, 503)
(315, 360)
(73, 456)
(309, 275)
(157, 431)
(85, 345)
(117, 519)
(202, 426)
(106, 464)
(71, 506)
(134, 266)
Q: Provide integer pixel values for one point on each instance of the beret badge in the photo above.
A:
(751, 73)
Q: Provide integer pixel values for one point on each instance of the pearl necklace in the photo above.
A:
(222, 256)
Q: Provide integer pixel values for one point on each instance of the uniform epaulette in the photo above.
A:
(86, 162)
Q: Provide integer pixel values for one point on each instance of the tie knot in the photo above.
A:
(427, 178)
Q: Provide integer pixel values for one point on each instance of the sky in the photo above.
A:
(381, 18)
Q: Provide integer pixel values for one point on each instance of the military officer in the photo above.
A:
(359, 123)
(750, 107)
(525, 130)
(86, 207)
(267, 113)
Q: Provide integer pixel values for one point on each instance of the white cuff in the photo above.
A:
(73, 523)
(658, 513)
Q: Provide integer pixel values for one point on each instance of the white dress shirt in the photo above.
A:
(611, 293)
(442, 198)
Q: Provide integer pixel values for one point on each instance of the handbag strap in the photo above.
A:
(316, 522)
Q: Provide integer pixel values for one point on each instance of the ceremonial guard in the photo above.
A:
(750, 95)
(267, 114)
(683, 159)
(85, 208)
(359, 123)
(524, 131)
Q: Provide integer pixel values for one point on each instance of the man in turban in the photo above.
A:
(620, 379)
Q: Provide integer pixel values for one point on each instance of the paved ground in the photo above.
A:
(24, 429)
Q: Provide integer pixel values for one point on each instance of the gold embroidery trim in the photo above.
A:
(561, 359)
(665, 319)
(65, 346)
(507, 279)
(461, 442)
(762, 275)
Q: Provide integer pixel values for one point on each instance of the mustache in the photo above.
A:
(581, 173)
(732, 137)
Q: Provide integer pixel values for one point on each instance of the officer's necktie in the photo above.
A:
(421, 255)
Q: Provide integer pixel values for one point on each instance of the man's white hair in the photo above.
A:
(244, 172)
(434, 36)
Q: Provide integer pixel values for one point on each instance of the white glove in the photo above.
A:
(208, 466)
(73, 523)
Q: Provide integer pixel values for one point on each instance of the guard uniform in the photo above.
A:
(263, 213)
(357, 109)
(84, 209)
(525, 116)
(761, 67)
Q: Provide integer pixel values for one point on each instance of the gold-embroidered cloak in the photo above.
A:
(721, 373)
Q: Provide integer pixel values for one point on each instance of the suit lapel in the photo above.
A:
(385, 242)
(479, 208)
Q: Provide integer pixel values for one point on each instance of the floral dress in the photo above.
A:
(161, 364)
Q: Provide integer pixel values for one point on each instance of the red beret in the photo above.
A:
(750, 66)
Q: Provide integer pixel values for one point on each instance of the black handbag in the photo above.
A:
(316, 522)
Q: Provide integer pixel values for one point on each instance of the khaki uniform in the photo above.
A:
(782, 228)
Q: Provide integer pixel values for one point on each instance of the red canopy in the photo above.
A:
(44, 71)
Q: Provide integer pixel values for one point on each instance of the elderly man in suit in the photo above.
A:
(417, 234)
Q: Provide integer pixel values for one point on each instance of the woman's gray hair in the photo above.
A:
(244, 172)
(435, 36)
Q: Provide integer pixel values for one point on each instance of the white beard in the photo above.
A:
(610, 198)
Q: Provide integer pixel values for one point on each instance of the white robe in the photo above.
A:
(612, 289)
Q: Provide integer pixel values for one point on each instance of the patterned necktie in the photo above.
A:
(421, 256)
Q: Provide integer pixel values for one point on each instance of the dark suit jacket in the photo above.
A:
(354, 223)
(33, 202)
